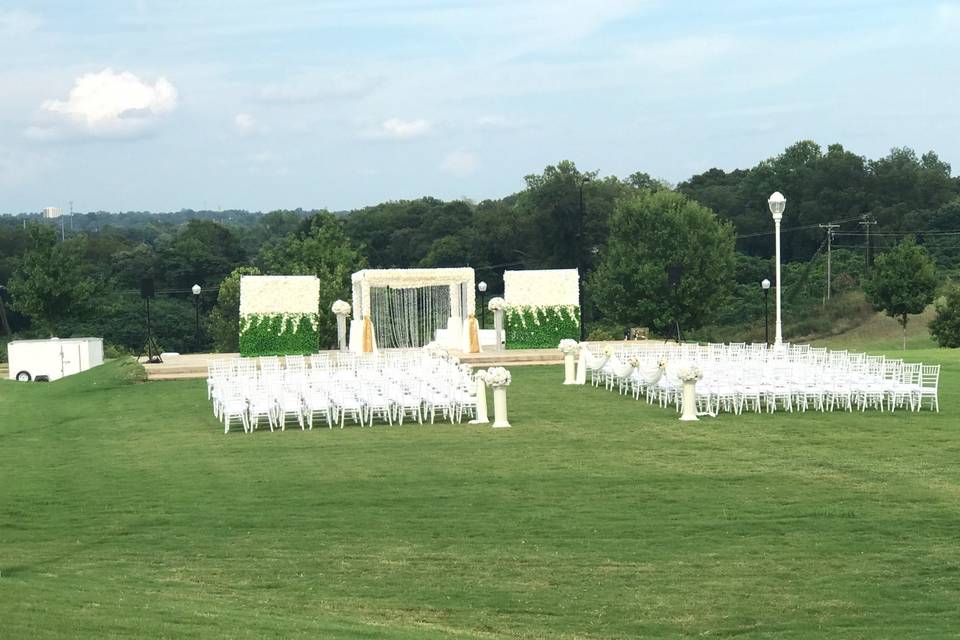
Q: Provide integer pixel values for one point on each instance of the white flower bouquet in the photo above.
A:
(568, 345)
(434, 349)
(496, 304)
(498, 377)
(608, 351)
(690, 373)
(633, 361)
(662, 363)
(341, 308)
(480, 375)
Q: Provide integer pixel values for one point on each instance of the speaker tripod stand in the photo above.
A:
(150, 348)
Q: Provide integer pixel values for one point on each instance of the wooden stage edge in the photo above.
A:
(194, 365)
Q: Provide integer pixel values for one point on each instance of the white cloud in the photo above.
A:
(948, 15)
(397, 129)
(107, 104)
(460, 163)
(18, 23)
(244, 122)
(316, 87)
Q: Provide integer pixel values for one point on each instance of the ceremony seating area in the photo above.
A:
(388, 387)
(741, 377)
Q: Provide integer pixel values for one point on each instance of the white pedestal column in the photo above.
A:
(498, 327)
(582, 366)
(342, 331)
(689, 401)
(482, 417)
(569, 369)
(500, 408)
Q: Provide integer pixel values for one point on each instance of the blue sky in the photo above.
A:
(339, 104)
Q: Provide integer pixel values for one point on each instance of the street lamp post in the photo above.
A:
(196, 306)
(580, 251)
(777, 204)
(765, 283)
(482, 288)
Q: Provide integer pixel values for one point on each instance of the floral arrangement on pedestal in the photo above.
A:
(279, 315)
(569, 346)
(498, 377)
(690, 373)
(341, 308)
(496, 304)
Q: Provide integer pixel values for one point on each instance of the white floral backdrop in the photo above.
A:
(279, 295)
(542, 288)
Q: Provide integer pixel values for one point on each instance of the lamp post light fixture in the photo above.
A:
(777, 204)
(196, 306)
(482, 288)
(581, 245)
(765, 283)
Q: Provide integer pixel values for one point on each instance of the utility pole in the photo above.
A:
(830, 226)
(866, 223)
(71, 216)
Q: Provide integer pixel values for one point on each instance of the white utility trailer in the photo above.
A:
(53, 358)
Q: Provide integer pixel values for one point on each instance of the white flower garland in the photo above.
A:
(568, 346)
(497, 304)
(498, 377)
(341, 308)
(542, 288)
(283, 295)
(248, 320)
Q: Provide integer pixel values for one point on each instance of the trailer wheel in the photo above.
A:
(24, 376)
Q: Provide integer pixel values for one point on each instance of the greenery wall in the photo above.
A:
(540, 327)
(277, 335)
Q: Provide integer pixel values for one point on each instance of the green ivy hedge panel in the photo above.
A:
(262, 336)
(540, 327)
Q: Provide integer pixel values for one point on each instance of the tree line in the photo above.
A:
(624, 233)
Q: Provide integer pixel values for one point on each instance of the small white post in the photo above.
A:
(500, 407)
(689, 401)
(342, 331)
(569, 369)
(482, 417)
(498, 327)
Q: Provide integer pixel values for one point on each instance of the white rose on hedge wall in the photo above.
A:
(341, 308)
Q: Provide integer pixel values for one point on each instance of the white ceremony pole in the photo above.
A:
(582, 366)
(569, 369)
(689, 400)
(498, 327)
(482, 417)
(500, 407)
(342, 331)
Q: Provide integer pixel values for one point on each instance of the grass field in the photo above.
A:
(125, 512)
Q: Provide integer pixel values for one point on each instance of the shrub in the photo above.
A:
(277, 335)
(945, 328)
(540, 327)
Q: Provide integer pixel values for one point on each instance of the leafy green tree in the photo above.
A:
(945, 327)
(202, 252)
(223, 323)
(50, 284)
(904, 281)
(650, 232)
(321, 248)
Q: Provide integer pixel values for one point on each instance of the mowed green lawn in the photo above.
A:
(126, 512)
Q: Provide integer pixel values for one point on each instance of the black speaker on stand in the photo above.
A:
(674, 274)
(150, 347)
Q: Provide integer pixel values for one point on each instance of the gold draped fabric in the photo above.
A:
(474, 330)
(367, 335)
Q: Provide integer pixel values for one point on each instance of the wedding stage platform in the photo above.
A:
(195, 365)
